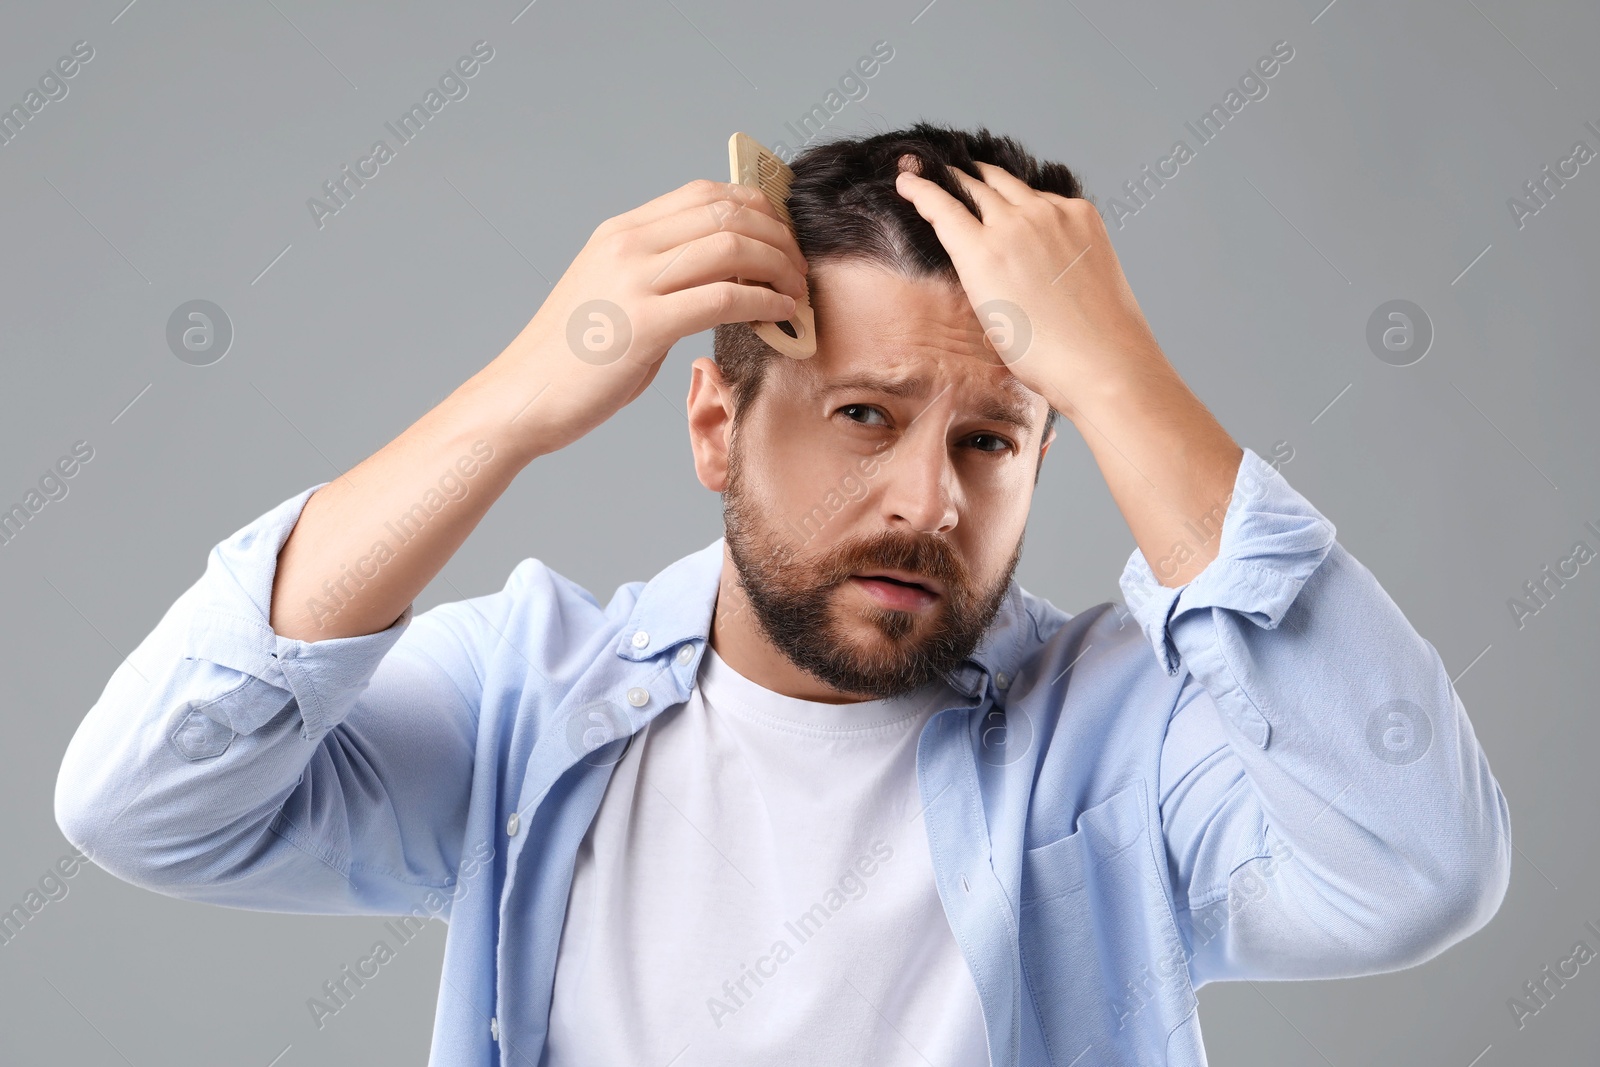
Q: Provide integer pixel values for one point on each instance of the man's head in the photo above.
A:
(904, 448)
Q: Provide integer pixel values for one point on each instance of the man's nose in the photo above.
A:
(919, 483)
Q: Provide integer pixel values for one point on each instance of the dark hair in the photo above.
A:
(845, 207)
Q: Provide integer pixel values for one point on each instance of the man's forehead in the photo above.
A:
(882, 332)
(878, 294)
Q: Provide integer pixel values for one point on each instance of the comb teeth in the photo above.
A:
(774, 178)
(758, 166)
(753, 164)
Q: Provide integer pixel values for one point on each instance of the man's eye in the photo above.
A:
(1000, 443)
(860, 408)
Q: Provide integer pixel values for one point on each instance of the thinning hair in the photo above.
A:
(845, 207)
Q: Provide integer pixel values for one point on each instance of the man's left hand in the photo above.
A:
(1043, 280)
(1054, 305)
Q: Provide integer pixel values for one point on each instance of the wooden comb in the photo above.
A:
(753, 164)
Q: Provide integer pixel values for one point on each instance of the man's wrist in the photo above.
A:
(502, 397)
(1111, 384)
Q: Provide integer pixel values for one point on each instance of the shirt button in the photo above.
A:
(494, 1027)
(965, 888)
(638, 697)
(1002, 680)
(640, 639)
(686, 653)
(513, 824)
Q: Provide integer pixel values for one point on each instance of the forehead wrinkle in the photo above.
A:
(901, 337)
(914, 334)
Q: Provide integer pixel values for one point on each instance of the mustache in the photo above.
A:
(927, 556)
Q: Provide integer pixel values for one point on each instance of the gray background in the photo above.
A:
(1378, 167)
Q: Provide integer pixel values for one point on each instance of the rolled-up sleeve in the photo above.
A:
(227, 625)
(225, 763)
(1326, 807)
(1272, 540)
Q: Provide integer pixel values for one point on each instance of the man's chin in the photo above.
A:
(858, 618)
(863, 640)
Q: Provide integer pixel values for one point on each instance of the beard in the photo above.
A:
(792, 595)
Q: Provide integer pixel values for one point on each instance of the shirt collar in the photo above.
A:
(676, 606)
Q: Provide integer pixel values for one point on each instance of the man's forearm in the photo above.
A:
(369, 541)
(1169, 464)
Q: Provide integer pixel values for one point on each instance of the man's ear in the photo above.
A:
(710, 423)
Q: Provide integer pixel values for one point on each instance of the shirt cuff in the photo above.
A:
(229, 626)
(1272, 540)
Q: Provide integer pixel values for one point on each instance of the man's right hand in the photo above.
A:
(644, 280)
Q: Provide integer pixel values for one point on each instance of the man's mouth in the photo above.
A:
(898, 590)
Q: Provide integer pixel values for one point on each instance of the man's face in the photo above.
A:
(904, 449)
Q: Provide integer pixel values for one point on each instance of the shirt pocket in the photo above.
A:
(1105, 967)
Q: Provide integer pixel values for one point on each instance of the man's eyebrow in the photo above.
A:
(1012, 410)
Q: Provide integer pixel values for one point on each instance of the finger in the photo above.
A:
(705, 306)
(727, 254)
(949, 217)
(989, 201)
(674, 231)
(1008, 185)
(697, 193)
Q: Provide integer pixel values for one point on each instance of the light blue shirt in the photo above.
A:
(1265, 773)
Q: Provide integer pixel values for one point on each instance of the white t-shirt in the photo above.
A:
(756, 888)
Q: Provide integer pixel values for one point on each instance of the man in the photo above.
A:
(833, 789)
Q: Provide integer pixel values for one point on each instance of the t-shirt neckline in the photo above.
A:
(726, 688)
